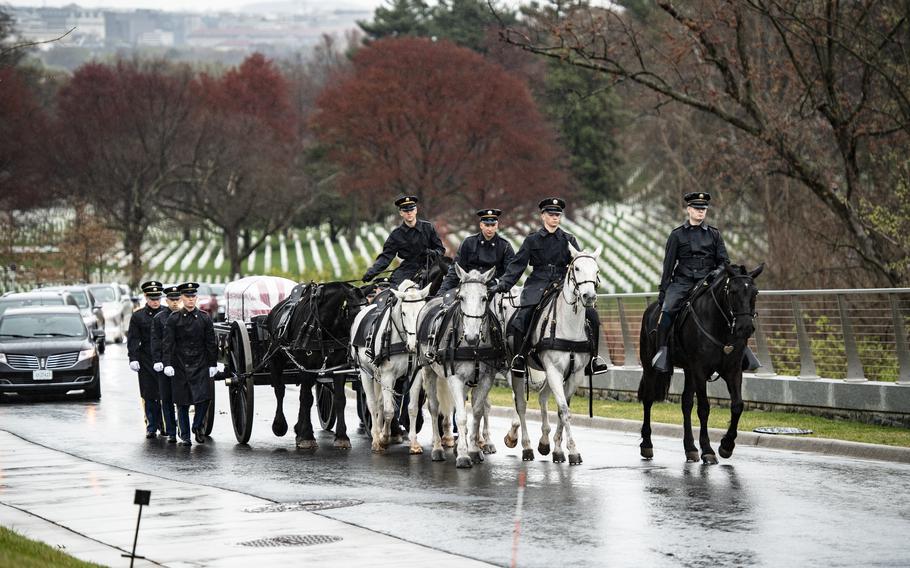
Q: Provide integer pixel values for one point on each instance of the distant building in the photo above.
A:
(45, 24)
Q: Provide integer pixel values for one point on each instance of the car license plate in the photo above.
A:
(42, 375)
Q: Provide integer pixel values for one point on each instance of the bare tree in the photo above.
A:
(814, 91)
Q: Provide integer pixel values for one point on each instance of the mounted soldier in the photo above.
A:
(139, 348)
(547, 251)
(695, 251)
(415, 241)
(481, 252)
(190, 356)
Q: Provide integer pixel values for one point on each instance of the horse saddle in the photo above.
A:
(369, 325)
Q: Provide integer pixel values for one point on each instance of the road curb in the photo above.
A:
(779, 442)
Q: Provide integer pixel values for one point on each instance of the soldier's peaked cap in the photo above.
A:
(697, 199)
(406, 202)
(489, 216)
(188, 288)
(152, 289)
(554, 204)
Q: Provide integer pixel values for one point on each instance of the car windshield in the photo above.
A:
(41, 326)
(81, 298)
(8, 303)
(103, 293)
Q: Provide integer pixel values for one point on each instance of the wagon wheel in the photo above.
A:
(363, 412)
(325, 405)
(210, 414)
(240, 362)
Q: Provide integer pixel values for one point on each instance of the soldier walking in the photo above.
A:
(172, 296)
(139, 349)
(189, 354)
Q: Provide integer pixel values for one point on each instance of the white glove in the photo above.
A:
(158, 367)
(212, 371)
(220, 366)
(134, 366)
(169, 371)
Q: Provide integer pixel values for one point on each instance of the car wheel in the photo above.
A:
(94, 392)
(120, 333)
(101, 346)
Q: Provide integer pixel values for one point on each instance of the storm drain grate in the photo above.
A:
(292, 540)
(304, 506)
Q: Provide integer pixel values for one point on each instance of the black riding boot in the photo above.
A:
(519, 365)
(596, 366)
(661, 360)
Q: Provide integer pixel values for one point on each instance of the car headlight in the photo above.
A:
(3, 358)
(86, 354)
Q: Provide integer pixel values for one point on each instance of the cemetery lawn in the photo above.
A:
(16, 550)
(670, 413)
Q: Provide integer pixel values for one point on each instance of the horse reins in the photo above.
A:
(730, 321)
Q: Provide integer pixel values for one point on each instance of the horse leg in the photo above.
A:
(688, 396)
(521, 407)
(728, 442)
(570, 386)
(413, 409)
(339, 401)
(704, 409)
(304, 426)
(543, 446)
(388, 404)
(430, 382)
(279, 424)
(372, 394)
(486, 442)
(554, 382)
(456, 388)
(448, 437)
(478, 408)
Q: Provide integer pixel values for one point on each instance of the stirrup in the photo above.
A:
(597, 366)
(519, 367)
(661, 361)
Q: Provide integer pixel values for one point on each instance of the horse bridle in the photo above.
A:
(730, 321)
(403, 331)
(575, 283)
(481, 317)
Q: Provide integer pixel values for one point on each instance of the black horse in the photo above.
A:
(709, 336)
(309, 333)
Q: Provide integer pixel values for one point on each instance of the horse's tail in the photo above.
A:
(653, 386)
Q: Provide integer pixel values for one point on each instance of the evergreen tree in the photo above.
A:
(399, 18)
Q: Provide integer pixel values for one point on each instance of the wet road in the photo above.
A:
(762, 508)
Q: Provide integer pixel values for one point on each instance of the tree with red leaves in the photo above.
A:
(244, 170)
(116, 147)
(438, 121)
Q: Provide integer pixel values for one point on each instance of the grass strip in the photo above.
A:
(16, 550)
(670, 413)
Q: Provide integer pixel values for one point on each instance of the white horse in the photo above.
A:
(378, 379)
(463, 357)
(564, 353)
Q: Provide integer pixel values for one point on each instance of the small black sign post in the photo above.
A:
(142, 498)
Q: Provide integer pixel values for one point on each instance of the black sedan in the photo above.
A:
(48, 350)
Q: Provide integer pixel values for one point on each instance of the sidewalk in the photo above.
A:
(86, 509)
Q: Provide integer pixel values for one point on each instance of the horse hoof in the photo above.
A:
(448, 442)
(438, 455)
(527, 455)
(692, 456)
(309, 445)
(574, 459)
(542, 449)
(647, 453)
(488, 449)
(463, 462)
(725, 453)
(510, 442)
(279, 426)
(476, 457)
(709, 459)
(559, 457)
(342, 444)
(416, 449)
